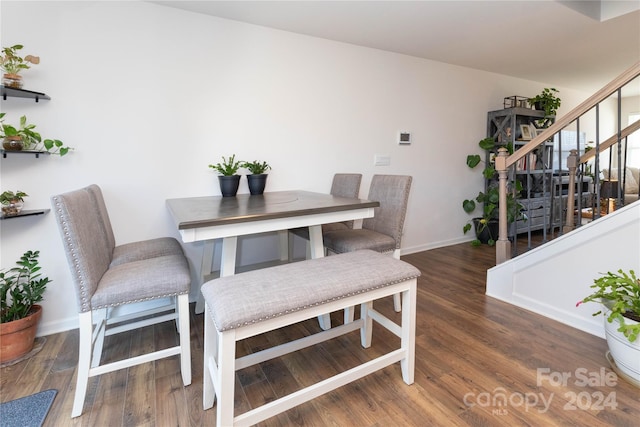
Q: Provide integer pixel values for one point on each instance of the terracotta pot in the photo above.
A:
(12, 143)
(17, 337)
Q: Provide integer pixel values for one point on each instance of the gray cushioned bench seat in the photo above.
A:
(255, 296)
(260, 301)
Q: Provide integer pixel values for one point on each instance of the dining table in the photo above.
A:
(205, 219)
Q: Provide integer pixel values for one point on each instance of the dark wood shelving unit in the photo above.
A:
(31, 212)
(22, 93)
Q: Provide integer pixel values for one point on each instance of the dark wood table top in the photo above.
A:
(194, 212)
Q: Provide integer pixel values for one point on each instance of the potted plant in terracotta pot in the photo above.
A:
(229, 180)
(21, 287)
(11, 202)
(619, 294)
(486, 225)
(12, 64)
(257, 180)
(24, 137)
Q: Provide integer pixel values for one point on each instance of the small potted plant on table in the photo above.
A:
(619, 293)
(229, 180)
(12, 202)
(21, 288)
(257, 180)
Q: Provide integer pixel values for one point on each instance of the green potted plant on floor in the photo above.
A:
(486, 226)
(228, 178)
(12, 202)
(21, 287)
(24, 137)
(619, 294)
(257, 180)
(12, 64)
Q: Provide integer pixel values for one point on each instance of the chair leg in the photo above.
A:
(182, 307)
(85, 327)
(397, 301)
(100, 319)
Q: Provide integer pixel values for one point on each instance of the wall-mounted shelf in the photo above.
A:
(36, 153)
(22, 93)
(24, 212)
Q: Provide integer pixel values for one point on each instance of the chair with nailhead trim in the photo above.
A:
(120, 287)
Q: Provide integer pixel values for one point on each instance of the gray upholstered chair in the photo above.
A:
(151, 278)
(343, 185)
(383, 232)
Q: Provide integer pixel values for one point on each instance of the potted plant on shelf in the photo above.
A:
(257, 180)
(619, 294)
(228, 178)
(12, 202)
(486, 226)
(546, 101)
(12, 64)
(21, 288)
(24, 137)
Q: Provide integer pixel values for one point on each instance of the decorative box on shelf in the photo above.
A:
(516, 101)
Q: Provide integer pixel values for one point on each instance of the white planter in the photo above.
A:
(626, 355)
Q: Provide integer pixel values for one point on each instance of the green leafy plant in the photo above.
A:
(490, 198)
(547, 100)
(228, 167)
(256, 167)
(12, 63)
(21, 287)
(10, 197)
(620, 293)
(30, 138)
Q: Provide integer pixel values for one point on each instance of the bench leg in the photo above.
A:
(366, 331)
(408, 337)
(225, 381)
(210, 357)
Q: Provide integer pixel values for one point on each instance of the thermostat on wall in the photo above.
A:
(404, 138)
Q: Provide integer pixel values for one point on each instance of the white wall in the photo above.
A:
(149, 96)
(550, 280)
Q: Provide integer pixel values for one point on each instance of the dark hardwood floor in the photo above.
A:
(479, 362)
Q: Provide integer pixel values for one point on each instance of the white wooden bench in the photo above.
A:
(248, 304)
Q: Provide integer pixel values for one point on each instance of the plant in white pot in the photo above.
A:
(619, 293)
(21, 287)
(229, 180)
(257, 180)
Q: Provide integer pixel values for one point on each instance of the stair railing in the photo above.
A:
(504, 161)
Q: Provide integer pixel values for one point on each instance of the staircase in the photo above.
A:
(552, 278)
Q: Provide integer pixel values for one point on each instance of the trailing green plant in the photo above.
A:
(12, 63)
(21, 287)
(620, 293)
(547, 100)
(490, 198)
(228, 167)
(31, 139)
(8, 197)
(256, 167)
